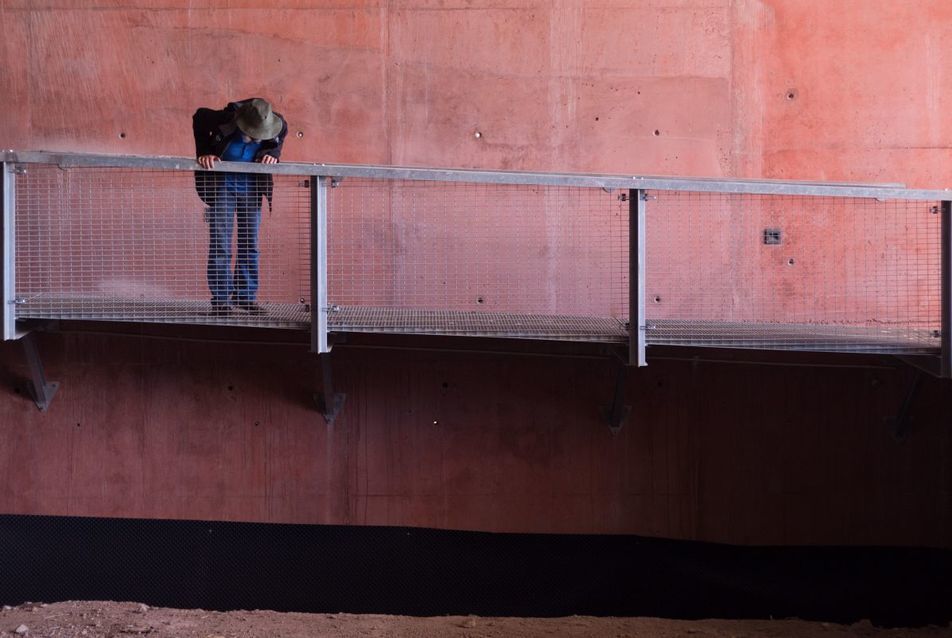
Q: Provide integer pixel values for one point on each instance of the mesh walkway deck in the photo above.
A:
(764, 336)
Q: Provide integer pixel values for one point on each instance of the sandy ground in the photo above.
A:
(128, 620)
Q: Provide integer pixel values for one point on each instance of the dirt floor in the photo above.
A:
(127, 620)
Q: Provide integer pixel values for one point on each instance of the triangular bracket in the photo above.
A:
(329, 403)
(41, 389)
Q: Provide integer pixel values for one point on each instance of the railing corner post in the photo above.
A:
(7, 252)
(946, 329)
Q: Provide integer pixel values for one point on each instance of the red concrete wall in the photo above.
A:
(750, 454)
(778, 88)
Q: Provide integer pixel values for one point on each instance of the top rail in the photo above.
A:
(641, 182)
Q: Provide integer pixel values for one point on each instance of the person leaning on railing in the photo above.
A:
(244, 131)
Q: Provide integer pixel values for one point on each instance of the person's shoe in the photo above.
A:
(220, 310)
(250, 307)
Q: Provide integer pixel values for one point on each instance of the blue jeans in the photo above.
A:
(245, 206)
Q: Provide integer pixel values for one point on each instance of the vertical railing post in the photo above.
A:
(41, 389)
(329, 402)
(637, 201)
(319, 308)
(7, 253)
(946, 213)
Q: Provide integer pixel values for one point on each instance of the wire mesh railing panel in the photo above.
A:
(482, 258)
(476, 248)
(813, 273)
(125, 244)
(477, 324)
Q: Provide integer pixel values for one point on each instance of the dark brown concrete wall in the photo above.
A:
(724, 452)
(718, 451)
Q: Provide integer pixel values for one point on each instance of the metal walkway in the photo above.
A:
(757, 264)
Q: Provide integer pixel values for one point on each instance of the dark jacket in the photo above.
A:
(214, 131)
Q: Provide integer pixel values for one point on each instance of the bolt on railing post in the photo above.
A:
(637, 202)
(7, 253)
(946, 366)
(318, 187)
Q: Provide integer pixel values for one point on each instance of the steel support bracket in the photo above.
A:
(928, 364)
(41, 389)
(900, 423)
(330, 403)
(616, 413)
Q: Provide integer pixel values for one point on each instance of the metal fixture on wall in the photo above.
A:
(772, 236)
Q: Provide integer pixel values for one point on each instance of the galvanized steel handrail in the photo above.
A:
(624, 182)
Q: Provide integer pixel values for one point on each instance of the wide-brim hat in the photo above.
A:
(256, 119)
